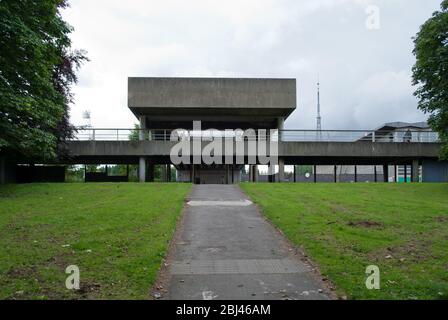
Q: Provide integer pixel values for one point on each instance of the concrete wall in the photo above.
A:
(211, 92)
(293, 152)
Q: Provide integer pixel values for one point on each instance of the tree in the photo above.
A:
(37, 69)
(430, 72)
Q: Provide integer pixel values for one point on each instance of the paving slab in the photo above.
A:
(226, 250)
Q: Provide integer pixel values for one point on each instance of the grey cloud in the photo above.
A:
(365, 75)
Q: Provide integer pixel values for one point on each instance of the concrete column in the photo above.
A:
(385, 173)
(280, 126)
(168, 173)
(415, 170)
(163, 173)
(256, 173)
(271, 173)
(141, 134)
(281, 170)
(356, 173)
(251, 172)
(142, 169)
(193, 174)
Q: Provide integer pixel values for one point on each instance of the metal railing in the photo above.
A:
(396, 136)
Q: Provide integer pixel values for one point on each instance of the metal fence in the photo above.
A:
(397, 136)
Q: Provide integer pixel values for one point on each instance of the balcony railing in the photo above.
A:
(397, 136)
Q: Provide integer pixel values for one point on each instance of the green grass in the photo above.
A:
(117, 234)
(401, 228)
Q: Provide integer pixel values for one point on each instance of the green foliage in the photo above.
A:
(36, 70)
(74, 174)
(430, 72)
(134, 135)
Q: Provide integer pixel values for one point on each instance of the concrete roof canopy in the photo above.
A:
(220, 103)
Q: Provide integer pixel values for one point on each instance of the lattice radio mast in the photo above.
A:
(318, 118)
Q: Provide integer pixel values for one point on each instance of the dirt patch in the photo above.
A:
(22, 272)
(414, 251)
(441, 219)
(88, 288)
(365, 224)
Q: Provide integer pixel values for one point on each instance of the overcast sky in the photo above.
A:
(365, 73)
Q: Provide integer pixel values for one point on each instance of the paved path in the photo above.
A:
(226, 250)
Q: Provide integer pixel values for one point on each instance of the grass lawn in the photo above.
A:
(401, 228)
(117, 234)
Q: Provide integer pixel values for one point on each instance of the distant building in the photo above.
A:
(404, 132)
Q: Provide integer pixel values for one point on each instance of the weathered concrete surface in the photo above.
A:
(293, 152)
(217, 102)
(231, 252)
(211, 93)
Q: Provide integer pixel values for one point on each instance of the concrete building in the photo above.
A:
(165, 104)
(162, 105)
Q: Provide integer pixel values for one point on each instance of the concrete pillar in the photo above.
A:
(142, 160)
(295, 173)
(415, 171)
(315, 173)
(280, 126)
(375, 173)
(271, 173)
(385, 173)
(335, 173)
(142, 121)
(193, 173)
(356, 173)
(281, 170)
(142, 169)
(163, 174)
(256, 174)
(168, 173)
(251, 172)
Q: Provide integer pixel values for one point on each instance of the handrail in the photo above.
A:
(290, 135)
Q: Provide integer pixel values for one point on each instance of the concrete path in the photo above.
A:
(226, 250)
